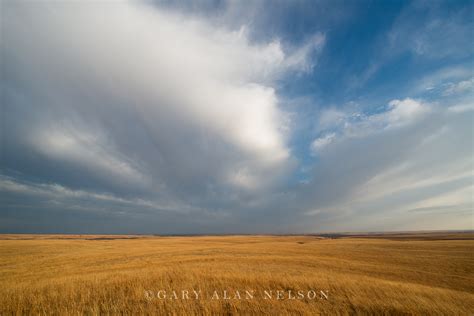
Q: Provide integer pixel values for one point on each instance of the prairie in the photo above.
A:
(395, 274)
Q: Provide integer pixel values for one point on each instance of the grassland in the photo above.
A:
(71, 275)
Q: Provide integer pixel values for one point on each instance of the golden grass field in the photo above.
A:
(393, 274)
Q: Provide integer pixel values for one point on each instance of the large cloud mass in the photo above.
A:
(126, 117)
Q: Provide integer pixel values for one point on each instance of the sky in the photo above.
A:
(224, 117)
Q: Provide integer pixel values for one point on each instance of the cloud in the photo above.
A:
(336, 124)
(57, 195)
(321, 142)
(460, 108)
(383, 166)
(163, 68)
(299, 58)
(88, 150)
(459, 87)
(139, 102)
(440, 79)
(405, 111)
(440, 33)
(426, 33)
(133, 117)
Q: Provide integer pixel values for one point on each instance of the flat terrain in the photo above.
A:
(393, 274)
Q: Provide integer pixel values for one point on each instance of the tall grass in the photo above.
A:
(361, 276)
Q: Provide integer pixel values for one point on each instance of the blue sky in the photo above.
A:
(236, 117)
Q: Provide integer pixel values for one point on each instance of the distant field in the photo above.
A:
(377, 274)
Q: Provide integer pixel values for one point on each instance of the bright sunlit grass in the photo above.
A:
(85, 274)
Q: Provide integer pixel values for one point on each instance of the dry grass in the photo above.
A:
(68, 275)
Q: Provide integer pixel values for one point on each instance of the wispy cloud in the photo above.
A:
(335, 124)
(383, 165)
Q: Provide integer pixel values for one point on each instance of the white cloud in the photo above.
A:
(330, 118)
(179, 75)
(459, 87)
(409, 167)
(404, 111)
(321, 142)
(337, 124)
(299, 60)
(439, 80)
